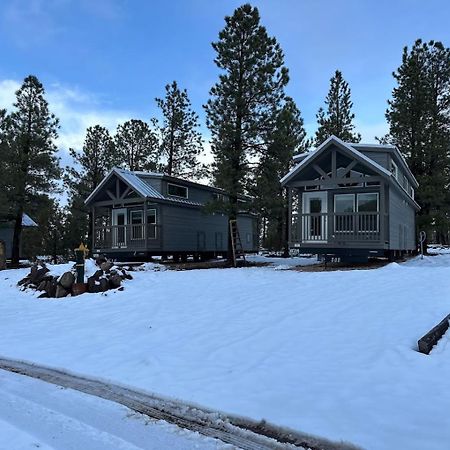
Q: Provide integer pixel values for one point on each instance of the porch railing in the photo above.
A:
(337, 227)
(135, 237)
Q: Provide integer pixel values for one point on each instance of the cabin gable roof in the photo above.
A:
(342, 146)
(142, 184)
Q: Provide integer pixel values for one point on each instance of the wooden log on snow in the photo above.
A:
(427, 342)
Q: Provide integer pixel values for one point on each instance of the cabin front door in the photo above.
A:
(314, 217)
(119, 228)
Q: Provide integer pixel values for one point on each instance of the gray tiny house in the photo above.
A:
(7, 233)
(351, 201)
(137, 215)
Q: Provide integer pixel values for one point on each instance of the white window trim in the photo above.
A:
(395, 172)
(154, 224)
(377, 211)
(335, 212)
(365, 193)
(134, 211)
(180, 186)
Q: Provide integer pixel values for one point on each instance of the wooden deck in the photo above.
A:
(132, 237)
(339, 229)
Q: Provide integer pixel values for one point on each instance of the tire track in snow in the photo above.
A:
(241, 432)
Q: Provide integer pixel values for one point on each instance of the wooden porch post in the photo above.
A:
(289, 217)
(93, 227)
(146, 225)
(382, 212)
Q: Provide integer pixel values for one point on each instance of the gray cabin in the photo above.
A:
(351, 201)
(137, 215)
(7, 233)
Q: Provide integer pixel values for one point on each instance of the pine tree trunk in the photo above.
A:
(15, 257)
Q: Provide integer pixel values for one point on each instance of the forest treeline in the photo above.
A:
(255, 129)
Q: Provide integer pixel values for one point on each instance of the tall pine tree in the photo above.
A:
(136, 146)
(181, 141)
(419, 125)
(288, 138)
(29, 134)
(96, 158)
(337, 119)
(243, 104)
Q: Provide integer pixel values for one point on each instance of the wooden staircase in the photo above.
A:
(236, 243)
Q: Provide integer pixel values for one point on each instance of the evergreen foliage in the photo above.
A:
(97, 157)
(244, 102)
(136, 146)
(28, 142)
(288, 138)
(419, 125)
(337, 119)
(181, 141)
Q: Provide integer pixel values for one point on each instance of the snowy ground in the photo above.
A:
(34, 414)
(327, 353)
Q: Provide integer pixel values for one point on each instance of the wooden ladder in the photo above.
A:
(236, 243)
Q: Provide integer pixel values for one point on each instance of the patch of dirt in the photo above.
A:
(334, 266)
(219, 264)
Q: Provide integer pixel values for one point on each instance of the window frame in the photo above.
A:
(370, 212)
(154, 236)
(178, 186)
(344, 230)
(395, 171)
(137, 236)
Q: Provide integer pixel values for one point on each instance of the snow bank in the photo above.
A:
(328, 353)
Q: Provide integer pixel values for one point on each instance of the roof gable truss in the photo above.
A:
(336, 167)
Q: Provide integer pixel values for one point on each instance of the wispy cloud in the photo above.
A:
(76, 110)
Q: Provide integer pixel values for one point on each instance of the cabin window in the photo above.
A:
(151, 223)
(137, 227)
(344, 203)
(394, 169)
(218, 197)
(344, 207)
(368, 207)
(151, 216)
(177, 191)
(367, 202)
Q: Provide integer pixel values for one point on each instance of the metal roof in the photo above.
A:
(137, 181)
(27, 221)
(138, 184)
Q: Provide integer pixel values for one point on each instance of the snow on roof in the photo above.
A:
(338, 141)
(27, 221)
(359, 144)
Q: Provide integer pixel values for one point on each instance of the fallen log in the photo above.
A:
(427, 342)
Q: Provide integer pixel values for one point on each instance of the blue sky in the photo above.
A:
(104, 61)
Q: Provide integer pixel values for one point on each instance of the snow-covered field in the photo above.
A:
(34, 414)
(327, 353)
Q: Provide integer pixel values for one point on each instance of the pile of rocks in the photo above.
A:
(106, 277)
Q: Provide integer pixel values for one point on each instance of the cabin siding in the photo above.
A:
(155, 183)
(6, 235)
(247, 232)
(382, 158)
(402, 222)
(191, 230)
